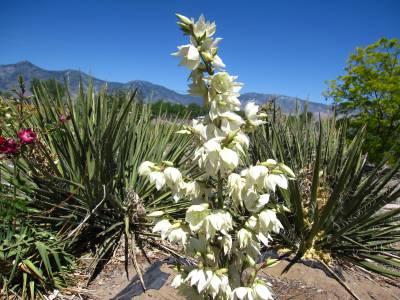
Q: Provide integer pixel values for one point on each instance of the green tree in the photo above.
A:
(171, 109)
(369, 94)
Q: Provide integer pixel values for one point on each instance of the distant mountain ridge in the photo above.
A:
(147, 90)
(286, 103)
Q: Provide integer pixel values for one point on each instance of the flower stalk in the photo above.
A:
(233, 207)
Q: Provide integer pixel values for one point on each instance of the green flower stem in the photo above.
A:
(219, 193)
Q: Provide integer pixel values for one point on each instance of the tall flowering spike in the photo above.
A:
(223, 192)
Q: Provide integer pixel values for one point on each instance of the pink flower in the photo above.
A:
(64, 118)
(27, 136)
(8, 146)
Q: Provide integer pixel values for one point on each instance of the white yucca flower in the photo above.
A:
(197, 87)
(251, 112)
(197, 192)
(240, 143)
(244, 237)
(195, 216)
(273, 180)
(217, 221)
(230, 122)
(172, 176)
(235, 186)
(162, 227)
(261, 291)
(178, 234)
(204, 28)
(190, 56)
(177, 282)
(226, 242)
(219, 286)
(258, 291)
(158, 179)
(223, 94)
(145, 168)
(199, 278)
(229, 159)
(217, 62)
(255, 175)
(269, 222)
(250, 199)
(222, 83)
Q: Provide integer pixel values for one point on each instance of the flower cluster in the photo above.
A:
(11, 146)
(232, 212)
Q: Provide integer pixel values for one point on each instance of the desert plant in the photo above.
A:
(82, 173)
(231, 215)
(33, 262)
(336, 201)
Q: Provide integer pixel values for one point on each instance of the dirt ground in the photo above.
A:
(301, 282)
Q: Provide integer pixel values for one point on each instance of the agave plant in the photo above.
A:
(337, 201)
(82, 172)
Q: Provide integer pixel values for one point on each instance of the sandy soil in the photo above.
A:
(301, 282)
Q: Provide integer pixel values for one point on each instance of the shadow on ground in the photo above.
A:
(153, 278)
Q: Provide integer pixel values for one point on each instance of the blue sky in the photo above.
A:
(285, 47)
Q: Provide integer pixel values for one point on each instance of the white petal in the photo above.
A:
(162, 227)
(240, 293)
(217, 62)
(145, 168)
(177, 281)
(172, 175)
(262, 292)
(251, 110)
(229, 158)
(281, 181)
(264, 199)
(157, 178)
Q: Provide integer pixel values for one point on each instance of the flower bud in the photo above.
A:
(287, 170)
(184, 27)
(221, 271)
(211, 257)
(157, 213)
(183, 131)
(270, 262)
(269, 163)
(183, 19)
(277, 171)
(207, 56)
(168, 163)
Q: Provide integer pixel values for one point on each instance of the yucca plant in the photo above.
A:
(33, 262)
(336, 202)
(82, 172)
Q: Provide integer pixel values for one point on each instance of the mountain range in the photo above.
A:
(146, 90)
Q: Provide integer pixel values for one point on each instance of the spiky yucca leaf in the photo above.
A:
(336, 203)
(31, 256)
(88, 186)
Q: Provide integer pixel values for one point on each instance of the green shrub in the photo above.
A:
(335, 202)
(33, 262)
(82, 173)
